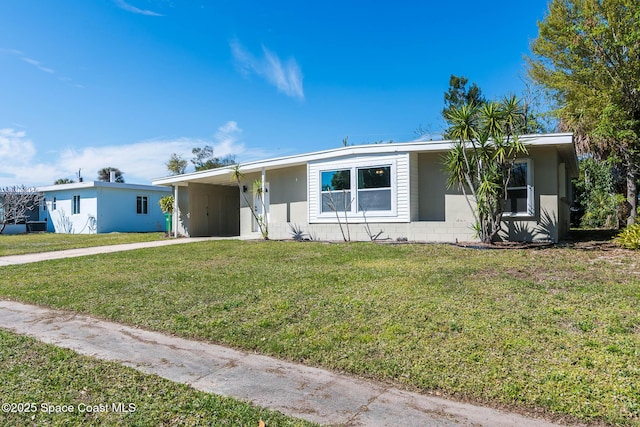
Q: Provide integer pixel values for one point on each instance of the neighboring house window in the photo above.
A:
(75, 207)
(520, 190)
(142, 205)
(373, 190)
(53, 204)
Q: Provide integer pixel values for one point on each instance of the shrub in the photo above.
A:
(629, 237)
(166, 204)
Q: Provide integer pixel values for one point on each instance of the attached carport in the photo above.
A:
(207, 203)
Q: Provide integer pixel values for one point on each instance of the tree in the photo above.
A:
(63, 181)
(204, 159)
(176, 165)
(482, 158)
(459, 94)
(587, 54)
(595, 193)
(538, 115)
(104, 174)
(15, 202)
(237, 176)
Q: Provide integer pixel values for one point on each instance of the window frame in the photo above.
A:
(367, 190)
(324, 192)
(530, 212)
(142, 205)
(355, 213)
(75, 204)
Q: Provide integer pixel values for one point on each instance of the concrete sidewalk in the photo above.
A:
(300, 391)
(72, 253)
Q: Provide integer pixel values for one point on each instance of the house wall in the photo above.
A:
(102, 210)
(432, 182)
(287, 201)
(14, 229)
(181, 215)
(214, 210)
(545, 223)
(117, 210)
(62, 220)
(430, 211)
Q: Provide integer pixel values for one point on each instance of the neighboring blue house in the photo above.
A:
(102, 207)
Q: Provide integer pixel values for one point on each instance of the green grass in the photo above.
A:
(554, 330)
(43, 376)
(44, 242)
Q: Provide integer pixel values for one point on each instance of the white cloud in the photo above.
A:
(129, 8)
(141, 161)
(286, 77)
(17, 155)
(15, 147)
(38, 65)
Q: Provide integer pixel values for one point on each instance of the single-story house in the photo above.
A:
(102, 207)
(398, 190)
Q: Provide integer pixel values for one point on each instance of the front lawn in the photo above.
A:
(555, 329)
(48, 386)
(44, 242)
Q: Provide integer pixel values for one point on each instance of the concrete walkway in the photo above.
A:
(300, 391)
(72, 253)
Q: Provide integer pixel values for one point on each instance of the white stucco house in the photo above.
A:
(102, 207)
(399, 189)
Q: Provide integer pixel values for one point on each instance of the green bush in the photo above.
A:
(629, 237)
(596, 195)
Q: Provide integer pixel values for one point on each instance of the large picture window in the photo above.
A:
(355, 190)
(520, 190)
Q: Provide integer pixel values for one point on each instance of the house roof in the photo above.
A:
(222, 176)
(101, 184)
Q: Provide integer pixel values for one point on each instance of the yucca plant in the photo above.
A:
(482, 157)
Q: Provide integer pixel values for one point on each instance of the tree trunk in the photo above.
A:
(632, 193)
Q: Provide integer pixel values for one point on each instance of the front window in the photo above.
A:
(53, 204)
(142, 205)
(520, 190)
(374, 189)
(75, 206)
(336, 190)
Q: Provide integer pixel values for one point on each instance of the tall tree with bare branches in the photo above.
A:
(15, 202)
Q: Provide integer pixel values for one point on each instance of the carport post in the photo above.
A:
(175, 211)
(263, 178)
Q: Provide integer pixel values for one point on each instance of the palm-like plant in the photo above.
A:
(104, 174)
(482, 157)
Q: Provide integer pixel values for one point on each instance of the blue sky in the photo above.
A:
(92, 83)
